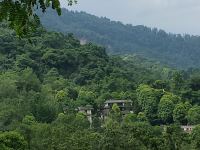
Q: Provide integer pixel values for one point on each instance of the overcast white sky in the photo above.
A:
(176, 16)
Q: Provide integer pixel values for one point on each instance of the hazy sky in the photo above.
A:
(176, 16)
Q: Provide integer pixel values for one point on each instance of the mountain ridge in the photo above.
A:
(180, 51)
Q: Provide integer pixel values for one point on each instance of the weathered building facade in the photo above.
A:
(125, 107)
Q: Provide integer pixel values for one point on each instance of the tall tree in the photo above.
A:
(180, 112)
(196, 137)
(148, 99)
(193, 115)
(166, 107)
(12, 140)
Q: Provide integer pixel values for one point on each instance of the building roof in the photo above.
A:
(87, 107)
(188, 126)
(117, 101)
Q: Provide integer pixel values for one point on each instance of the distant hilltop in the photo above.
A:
(171, 49)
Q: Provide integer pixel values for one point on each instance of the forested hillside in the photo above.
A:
(43, 80)
(174, 50)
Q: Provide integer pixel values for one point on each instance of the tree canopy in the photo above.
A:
(44, 83)
(175, 50)
(21, 15)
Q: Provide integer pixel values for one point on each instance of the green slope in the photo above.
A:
(44, 82)
(174, 50)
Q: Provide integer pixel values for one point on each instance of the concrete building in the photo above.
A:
(87, 110)
(188, 128)
(124, 105)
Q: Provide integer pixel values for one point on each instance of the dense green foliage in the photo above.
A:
(174, 50)
(21, 16)
(43, 82)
